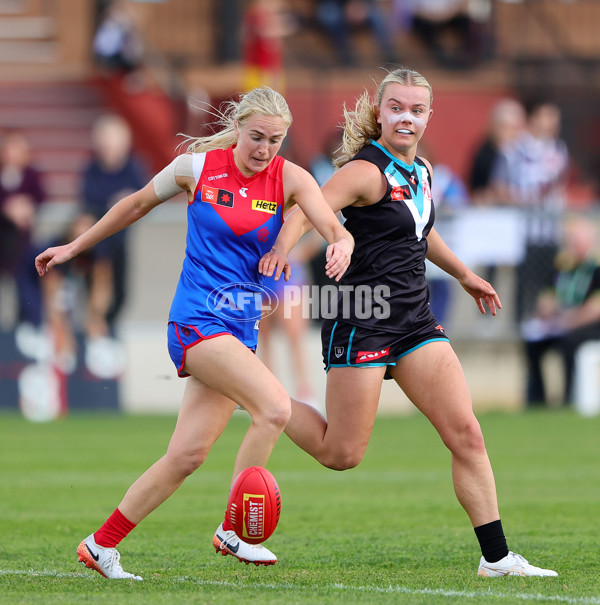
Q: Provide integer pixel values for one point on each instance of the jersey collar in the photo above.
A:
(408, 167)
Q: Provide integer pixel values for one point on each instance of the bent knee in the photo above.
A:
(281, 416)
(274, 411)
(341, 460)
(466, 438)
(184, 463)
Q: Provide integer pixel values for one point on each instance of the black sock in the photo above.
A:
(492, 541)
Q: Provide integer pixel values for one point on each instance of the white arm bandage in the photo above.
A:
(165, 184)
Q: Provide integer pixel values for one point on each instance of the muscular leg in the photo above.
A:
(217, 384)
(340, 441)
(233, 370)
(203, 416)
(433, 380)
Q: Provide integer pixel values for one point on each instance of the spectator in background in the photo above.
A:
(112, 173)
(506, 123)
(321, 164)
(566, 315)
(21, 194)
(117, 45)
(322, 168)
(340, 17)
(530, 174)
(454, 30)
(450, 194)
(290, 317)
(138, 79)
(77, 297)
(265, 24)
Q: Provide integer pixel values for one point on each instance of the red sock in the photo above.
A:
(115, 528)
(227, 523)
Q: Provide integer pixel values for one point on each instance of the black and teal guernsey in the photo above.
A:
(390, 247)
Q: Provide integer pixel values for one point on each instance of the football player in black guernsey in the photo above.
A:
(382, 326)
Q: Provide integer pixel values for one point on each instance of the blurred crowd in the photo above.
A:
(455, 33)
(520, 165)
(70, 317)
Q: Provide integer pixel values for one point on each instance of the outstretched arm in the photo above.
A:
(300, 188)
(121, 215)
(483, 292)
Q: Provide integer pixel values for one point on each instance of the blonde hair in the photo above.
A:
(264, 101)
(361, 126)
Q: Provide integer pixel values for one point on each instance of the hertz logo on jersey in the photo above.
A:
(264, 206)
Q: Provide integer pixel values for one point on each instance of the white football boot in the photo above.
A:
(228, 543)
(511, 565)
(102, 559)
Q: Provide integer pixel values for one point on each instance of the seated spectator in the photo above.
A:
(568, 315)
(341, 17)
(117, 44)
(21, 193)
(454, 30)
(77, 301)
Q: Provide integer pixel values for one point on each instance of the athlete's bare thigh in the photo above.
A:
(352, 400)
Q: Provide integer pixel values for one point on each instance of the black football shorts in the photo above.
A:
(347, 345)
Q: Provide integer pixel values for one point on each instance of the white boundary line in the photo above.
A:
(440, 592)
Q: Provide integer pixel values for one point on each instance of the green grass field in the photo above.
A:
(389, 531)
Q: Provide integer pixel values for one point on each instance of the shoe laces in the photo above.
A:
(519, 559)
(113, 563)
(230, 536)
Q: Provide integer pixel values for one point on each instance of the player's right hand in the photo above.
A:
(53, 256)
(274, 263)
(338, 257)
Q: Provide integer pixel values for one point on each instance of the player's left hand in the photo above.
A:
(275, 263)
(482, 292)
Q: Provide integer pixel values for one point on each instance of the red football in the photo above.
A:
(254, 505)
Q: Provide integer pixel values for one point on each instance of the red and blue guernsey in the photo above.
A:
(232, 222)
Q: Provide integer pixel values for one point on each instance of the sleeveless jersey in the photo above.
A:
(232, 221)
(390, 247)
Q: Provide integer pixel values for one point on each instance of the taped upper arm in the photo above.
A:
(165, 182)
